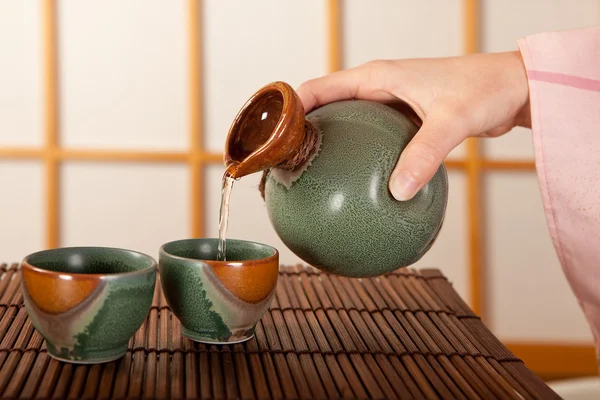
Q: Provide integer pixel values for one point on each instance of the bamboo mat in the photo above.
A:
(406, 335)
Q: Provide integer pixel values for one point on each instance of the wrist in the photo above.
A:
(523, 116)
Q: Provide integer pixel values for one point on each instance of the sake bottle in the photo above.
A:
(325, 181)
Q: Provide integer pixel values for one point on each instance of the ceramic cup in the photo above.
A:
(87, 302)
(218, 302)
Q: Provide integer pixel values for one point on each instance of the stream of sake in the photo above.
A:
(227, 185)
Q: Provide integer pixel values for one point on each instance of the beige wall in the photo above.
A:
(124, 85)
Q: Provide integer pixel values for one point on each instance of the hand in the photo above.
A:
(455, 98)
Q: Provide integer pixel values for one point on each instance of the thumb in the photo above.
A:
(423, 156)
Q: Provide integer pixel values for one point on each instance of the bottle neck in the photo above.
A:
(292, 168)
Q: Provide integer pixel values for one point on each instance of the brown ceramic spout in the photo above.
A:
(267, 131)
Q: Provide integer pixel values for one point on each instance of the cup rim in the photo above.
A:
(26, 264)
(163, 252)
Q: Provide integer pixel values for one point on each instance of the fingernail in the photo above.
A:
(403, 186)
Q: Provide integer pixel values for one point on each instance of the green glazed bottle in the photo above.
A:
(325, 181)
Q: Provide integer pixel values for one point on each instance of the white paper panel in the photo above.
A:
(397, 29)
(259, 42)
(458, 153)
(135, 206)
(506, 21)
(529, 296)
(248, 217)
(22, 215)
(394, 29)
(449, 253)
(123, 73)
(514, 145)
(21, 71)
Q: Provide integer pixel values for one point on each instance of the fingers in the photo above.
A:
(340, 85)
(367, 82)
(424, 154)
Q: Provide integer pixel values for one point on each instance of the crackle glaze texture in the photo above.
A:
(339, 215)
(87, 302)
(218, 301)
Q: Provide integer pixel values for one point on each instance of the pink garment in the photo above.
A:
(563, 70)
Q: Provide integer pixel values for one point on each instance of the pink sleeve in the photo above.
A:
(563, 70)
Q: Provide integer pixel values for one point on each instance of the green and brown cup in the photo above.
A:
(87, 302)
(218, 302)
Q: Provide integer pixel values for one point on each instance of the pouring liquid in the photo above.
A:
(226, 188)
